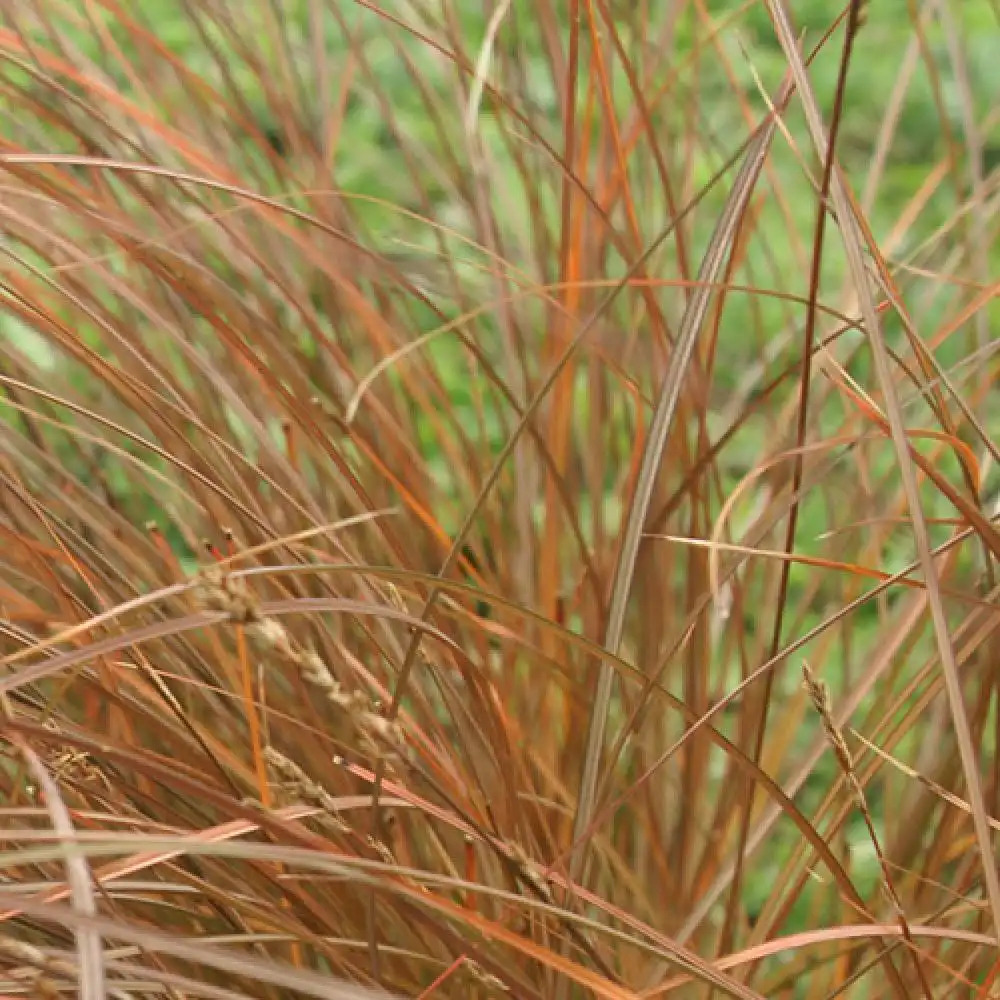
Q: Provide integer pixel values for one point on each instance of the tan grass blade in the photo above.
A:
(711, 266)
(853, 246)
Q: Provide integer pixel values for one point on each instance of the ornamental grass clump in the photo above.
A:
(436, 438)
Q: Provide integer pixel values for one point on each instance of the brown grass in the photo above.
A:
(433, 439)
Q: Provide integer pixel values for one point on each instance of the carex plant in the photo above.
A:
(438, 439)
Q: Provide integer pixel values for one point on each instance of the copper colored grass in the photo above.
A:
(433, 439)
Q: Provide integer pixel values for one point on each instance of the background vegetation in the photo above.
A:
(491, 505)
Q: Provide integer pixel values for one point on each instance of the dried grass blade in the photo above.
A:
(853, 244)
(666, 406)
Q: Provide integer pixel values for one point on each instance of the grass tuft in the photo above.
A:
(434, 438)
